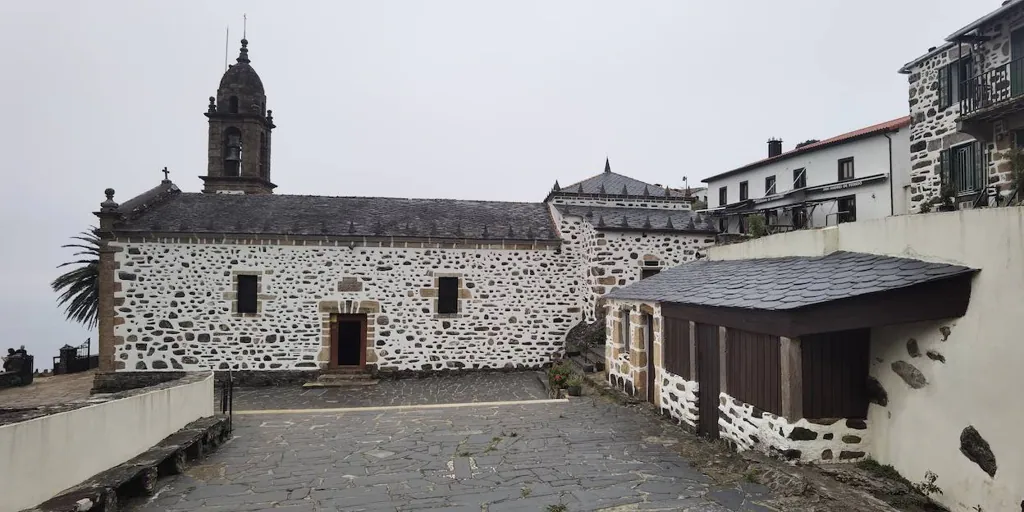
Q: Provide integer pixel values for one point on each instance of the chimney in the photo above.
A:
(774, 147)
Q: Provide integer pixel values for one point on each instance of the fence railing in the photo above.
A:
(992, 87)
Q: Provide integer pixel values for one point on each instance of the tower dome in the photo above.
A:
(243, 84)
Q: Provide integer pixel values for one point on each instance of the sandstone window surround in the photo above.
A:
(261, 297)
(460, 293)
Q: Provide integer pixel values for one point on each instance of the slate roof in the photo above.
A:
(875, 129)
(784, 283)
(610, 183)
(170, 211)
(637, 219)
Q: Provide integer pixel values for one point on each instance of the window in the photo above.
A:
(248, 289)
(744, 190)
(233, 105)
(448, 295)
(722, 196)
(953, 81)
(799, 217)
(847, 209)
(846, 169)
(963, 167)
(799, 178)
(624, 333)
(743, 224)
(769, 185)
(648, 272)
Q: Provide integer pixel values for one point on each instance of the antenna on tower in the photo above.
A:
(227, 36)
(244, 19)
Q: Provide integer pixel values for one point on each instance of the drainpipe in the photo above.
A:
(892, 204)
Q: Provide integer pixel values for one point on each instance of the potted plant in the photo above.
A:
(558, 375)
(574, 385)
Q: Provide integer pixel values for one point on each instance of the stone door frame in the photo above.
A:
(336, 319)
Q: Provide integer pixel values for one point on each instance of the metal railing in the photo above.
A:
(992, 87)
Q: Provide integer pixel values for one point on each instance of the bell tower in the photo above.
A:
(240, 126)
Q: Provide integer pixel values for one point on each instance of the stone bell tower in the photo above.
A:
(240, 126)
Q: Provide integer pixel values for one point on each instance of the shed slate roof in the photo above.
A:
(784, 283)
(297, 215)
(636, 219)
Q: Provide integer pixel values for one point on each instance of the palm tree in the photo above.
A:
(79, 287)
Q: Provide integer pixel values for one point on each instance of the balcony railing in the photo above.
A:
(992, 87)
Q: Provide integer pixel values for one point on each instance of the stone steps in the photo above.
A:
(342, 378)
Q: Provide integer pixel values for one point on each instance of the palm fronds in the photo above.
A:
(79, 287)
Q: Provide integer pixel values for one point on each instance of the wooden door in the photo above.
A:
(649, 335)
(348, 341)
(707, 380)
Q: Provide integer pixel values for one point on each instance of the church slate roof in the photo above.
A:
(636, 219)
(610, 183)
(170, 211)
(784, 283)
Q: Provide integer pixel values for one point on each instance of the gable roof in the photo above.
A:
(789, 283)
(163, 210)
(875, 129)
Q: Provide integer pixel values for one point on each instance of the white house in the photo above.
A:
(863, 174)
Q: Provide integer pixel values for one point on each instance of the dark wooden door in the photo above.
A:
(348, 341)
(708, 385)
(649, 335)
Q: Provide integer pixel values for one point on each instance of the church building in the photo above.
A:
(241, 277)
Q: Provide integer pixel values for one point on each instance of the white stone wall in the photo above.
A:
(833, 440)
(174, 305)
(679, 396)
(612, 259)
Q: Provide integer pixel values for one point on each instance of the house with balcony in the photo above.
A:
(967, 113)
(862, 174)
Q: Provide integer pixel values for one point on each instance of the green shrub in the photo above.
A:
(558, 375)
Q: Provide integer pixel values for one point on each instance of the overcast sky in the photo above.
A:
(459, 99)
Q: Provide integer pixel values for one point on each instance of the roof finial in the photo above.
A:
(647, 222)
(668, 224)
(556, 188)
(607, 165)
(243, 52)
(625, 191)
(109, 205)
(601, 190)
(600, 221)
(166, 173)
(625, 222)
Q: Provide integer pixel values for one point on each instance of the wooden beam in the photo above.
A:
(693, 351)
(792, 378)
(723, 353)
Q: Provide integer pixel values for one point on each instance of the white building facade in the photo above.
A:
(863, 174)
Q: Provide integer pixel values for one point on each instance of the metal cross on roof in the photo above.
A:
(166, 173)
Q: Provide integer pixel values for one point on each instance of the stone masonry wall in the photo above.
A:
(824, 440)
(678, 397)
(174, 305)
(931, 129)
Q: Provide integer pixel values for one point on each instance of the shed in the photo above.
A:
(755, 350)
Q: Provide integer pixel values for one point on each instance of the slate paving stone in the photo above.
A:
(589, 454)
(439, 389)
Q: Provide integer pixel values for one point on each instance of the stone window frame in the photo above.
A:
(650, 262)
(260, 296)
(433, 292)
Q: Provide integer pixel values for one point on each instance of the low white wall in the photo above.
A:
(39, 458)
(973, 373)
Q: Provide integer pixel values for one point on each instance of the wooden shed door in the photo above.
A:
(707, 380)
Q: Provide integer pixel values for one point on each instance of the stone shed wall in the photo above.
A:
(174, 305)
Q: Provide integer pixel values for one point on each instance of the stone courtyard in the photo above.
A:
(529, 453)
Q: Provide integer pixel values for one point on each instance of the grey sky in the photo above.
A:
(464, 99)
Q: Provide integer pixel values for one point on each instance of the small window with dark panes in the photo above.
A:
(448, 295)
(248, 289)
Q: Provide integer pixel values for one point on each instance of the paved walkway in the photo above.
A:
(585, 454)
(435, 389)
